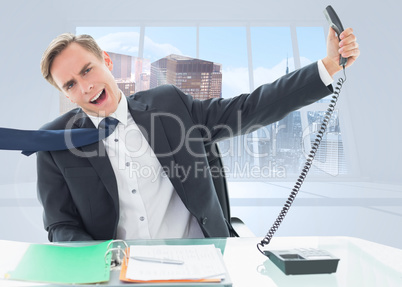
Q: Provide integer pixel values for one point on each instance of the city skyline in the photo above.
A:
(224, 45)
(271, 57)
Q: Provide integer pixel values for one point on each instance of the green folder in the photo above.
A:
(63, 264)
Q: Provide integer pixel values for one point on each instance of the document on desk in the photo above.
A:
(175, 262)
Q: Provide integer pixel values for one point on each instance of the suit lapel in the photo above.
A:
(153, 130)
(97, 156)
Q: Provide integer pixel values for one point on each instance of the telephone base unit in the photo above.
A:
(303, 261)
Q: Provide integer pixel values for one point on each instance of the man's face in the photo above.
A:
(86, 80)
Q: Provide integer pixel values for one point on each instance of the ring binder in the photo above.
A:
(61, 264)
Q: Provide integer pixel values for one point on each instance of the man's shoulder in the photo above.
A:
(163, 96)
(61, 121)
(163, 90)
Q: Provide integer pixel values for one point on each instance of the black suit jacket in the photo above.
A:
(78, 189)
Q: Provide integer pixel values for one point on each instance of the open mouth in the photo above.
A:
(98, 98)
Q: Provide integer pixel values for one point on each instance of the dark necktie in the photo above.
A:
(50, 140)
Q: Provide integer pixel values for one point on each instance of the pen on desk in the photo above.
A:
(158, 260)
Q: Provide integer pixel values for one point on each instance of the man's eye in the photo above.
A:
(87, 71)
(70, 86)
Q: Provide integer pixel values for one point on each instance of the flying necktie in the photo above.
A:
(30, 142)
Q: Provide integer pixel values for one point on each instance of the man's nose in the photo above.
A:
(86, 86)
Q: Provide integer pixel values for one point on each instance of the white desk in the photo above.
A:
(362, 263)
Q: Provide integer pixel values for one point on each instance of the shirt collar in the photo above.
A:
(120, 113)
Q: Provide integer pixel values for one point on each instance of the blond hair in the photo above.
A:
(58, 45)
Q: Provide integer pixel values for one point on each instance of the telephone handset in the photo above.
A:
(291, 261)
(335, 24)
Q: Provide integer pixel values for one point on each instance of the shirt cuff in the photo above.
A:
(324, 75)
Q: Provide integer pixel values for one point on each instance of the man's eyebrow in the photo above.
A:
(65, 86)
(68, 83)
(85, 68)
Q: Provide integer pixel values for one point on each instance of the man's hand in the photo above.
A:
(347, 47)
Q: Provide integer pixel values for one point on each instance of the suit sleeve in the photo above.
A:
(61, 218)
(269, 103)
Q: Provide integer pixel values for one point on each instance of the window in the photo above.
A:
(228, 47)
(330, 158)
(225, 61)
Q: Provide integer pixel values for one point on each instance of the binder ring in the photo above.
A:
(117, 241)
(119, 250)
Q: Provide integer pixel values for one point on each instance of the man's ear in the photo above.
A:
(108, 61)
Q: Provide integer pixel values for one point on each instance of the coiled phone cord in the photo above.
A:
(307, 165)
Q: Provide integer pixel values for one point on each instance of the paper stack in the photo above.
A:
(200, 263)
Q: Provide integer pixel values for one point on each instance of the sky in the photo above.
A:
(271, 49)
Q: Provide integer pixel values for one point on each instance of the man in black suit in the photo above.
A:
(150, 178)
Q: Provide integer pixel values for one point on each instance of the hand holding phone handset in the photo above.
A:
(286, 261)
(335, 23)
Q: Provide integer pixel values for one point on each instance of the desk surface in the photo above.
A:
(362, 263)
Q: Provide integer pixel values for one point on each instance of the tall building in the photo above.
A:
(141, 74)
(198, 78)
(122, 72)
(330, 157)
(122, 66)
(144, 82)
(285, 140)
(127, 87)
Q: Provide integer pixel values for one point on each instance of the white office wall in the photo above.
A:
(27, 101)
(374, 97)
